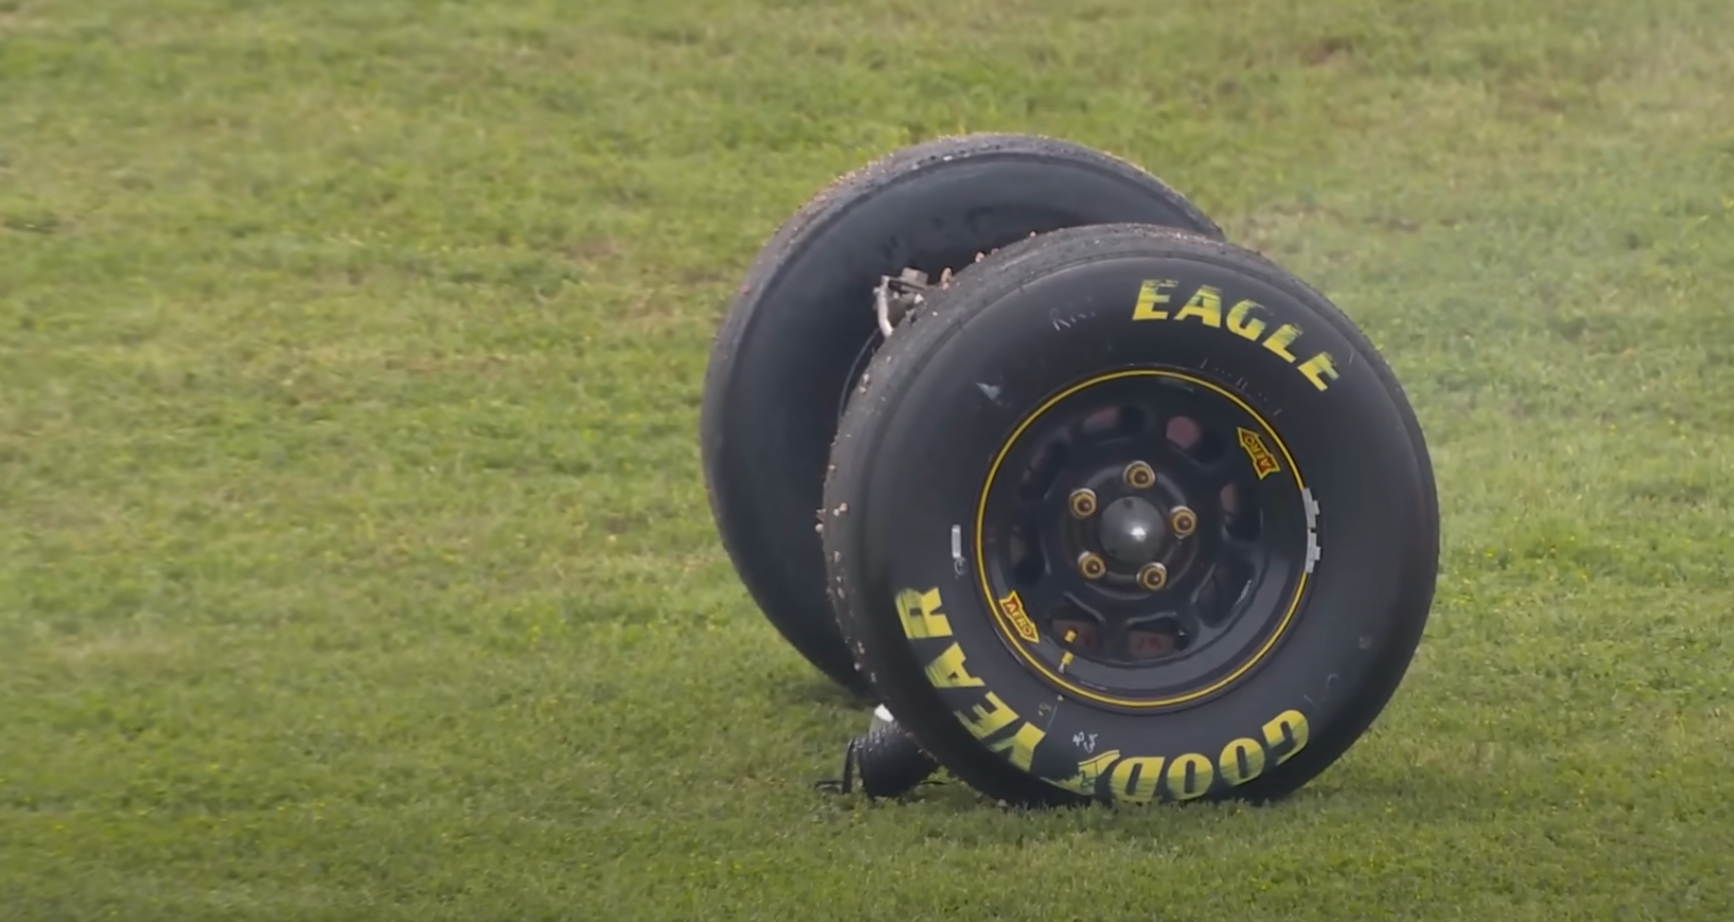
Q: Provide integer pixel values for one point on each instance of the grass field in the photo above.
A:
(354, 560)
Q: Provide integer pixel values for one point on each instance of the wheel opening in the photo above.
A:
(1159, 639)
(1029, 563)
(1113, 423)
(1206, 446)
(1241, 520)
(1039, 477)
(1075, 629)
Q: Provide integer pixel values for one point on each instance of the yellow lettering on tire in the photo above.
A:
(1020, 748)
(1135, 780)
(989, 720)
(947, 670)
(1242, 760)
(1206, 305)
(1084, 782)
(1150, 294)
(1288, 727)
(919, 612)
(1242, 324)
(1279, 341)
(1189, 776)
(1318, 369)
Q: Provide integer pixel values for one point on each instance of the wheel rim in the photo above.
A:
(1144, 539)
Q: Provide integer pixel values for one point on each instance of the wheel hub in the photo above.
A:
(1135, 535)
(1132, 531)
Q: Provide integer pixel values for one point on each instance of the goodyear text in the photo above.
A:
(1110, 775)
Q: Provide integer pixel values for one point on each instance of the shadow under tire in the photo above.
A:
(795, 340)
(1243, 588)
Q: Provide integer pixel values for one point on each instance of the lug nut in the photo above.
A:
(1182, 521)
(1153, 576)
(1083, 503)
(1139, 476)
(1091, 566)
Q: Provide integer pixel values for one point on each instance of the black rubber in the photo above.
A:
(914, 451)
(796, 337)
(885, 762)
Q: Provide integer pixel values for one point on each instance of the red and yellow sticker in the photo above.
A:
(1012, 608)
(1263, 462)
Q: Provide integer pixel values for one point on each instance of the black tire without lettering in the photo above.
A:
(802, 328)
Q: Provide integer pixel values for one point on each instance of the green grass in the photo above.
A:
(354, 560)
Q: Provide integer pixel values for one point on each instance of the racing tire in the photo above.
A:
(802, 327)
(1236, 599)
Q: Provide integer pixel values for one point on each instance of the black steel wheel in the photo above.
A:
(1128, 514)
(1123, 522)
(794, 343)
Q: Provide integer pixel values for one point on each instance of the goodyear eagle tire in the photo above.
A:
(802, 327)
(1229, 606)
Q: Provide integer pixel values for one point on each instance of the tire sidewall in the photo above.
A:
(1355, 444)
(798, 330)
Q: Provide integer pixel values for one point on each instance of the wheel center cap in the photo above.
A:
(1132, 530)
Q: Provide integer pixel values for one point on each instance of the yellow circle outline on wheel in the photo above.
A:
(993, 602)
